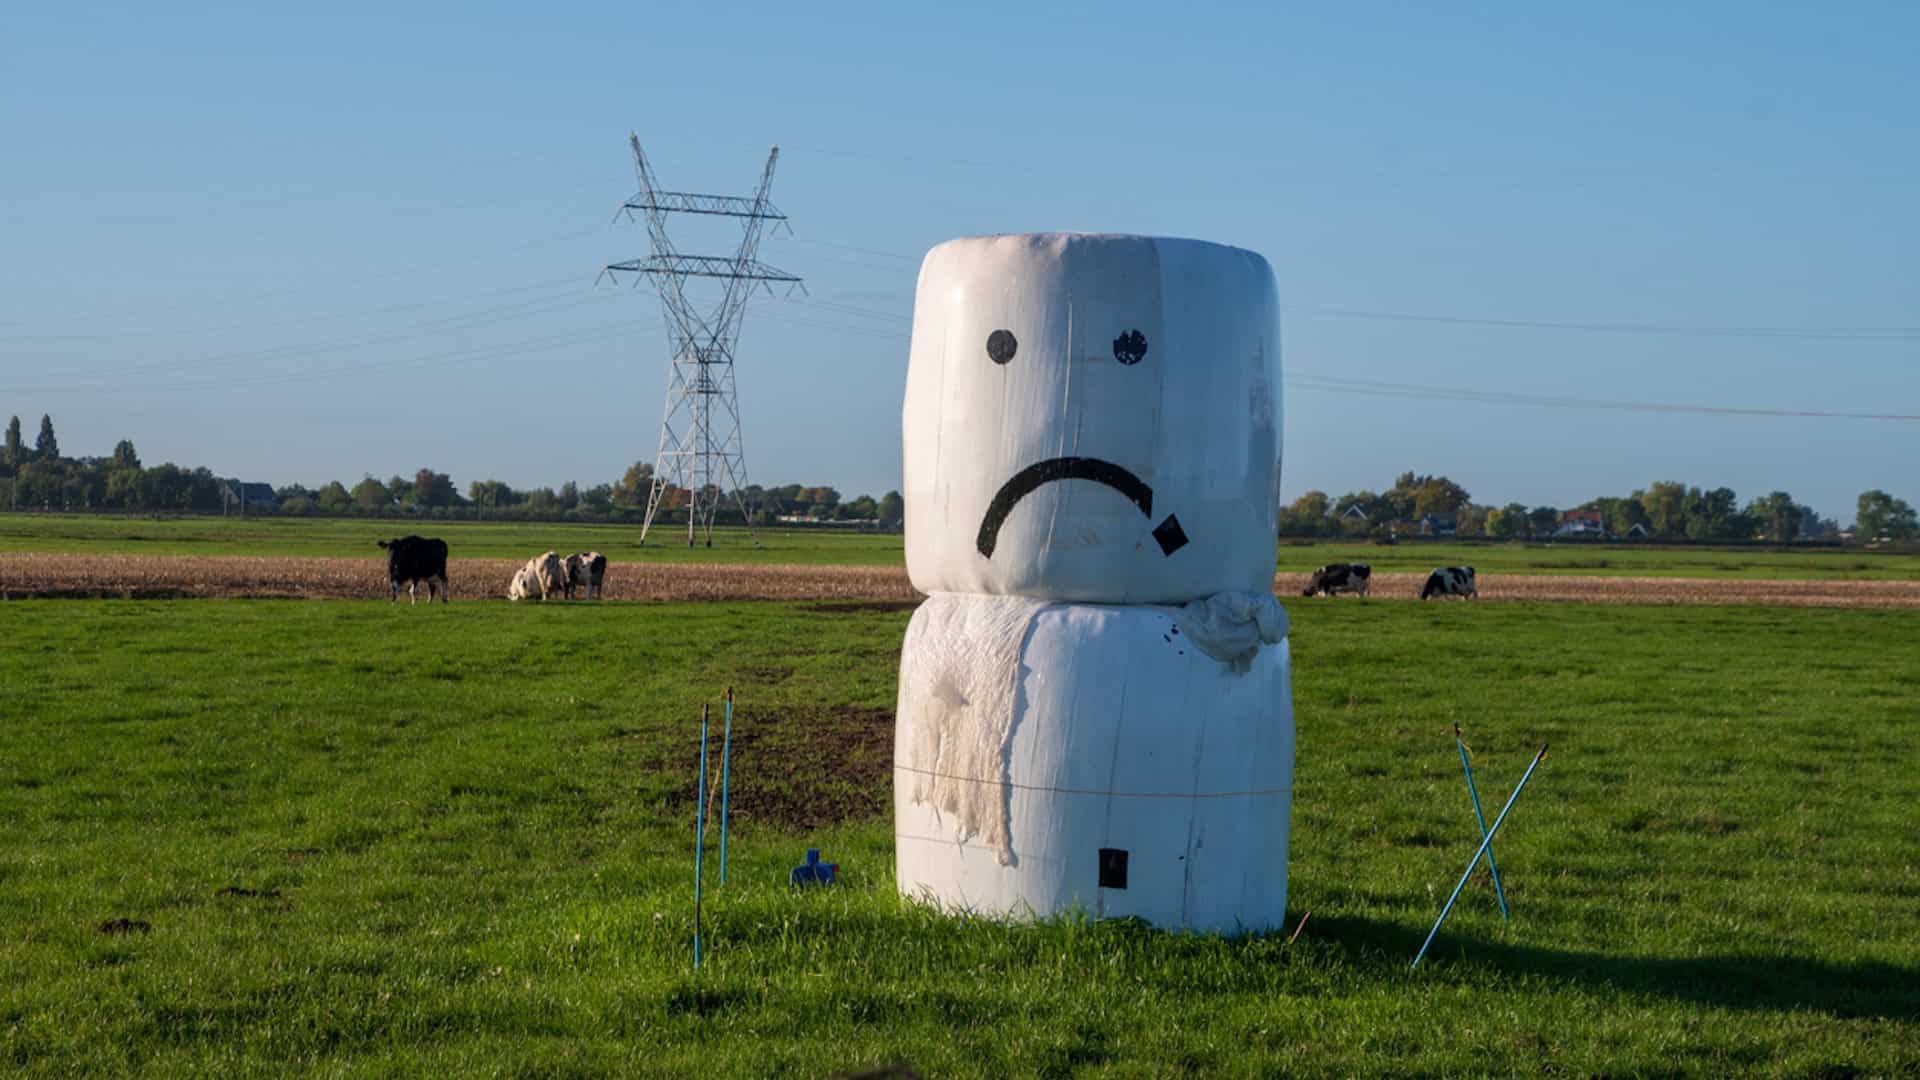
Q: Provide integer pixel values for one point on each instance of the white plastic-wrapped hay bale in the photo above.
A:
(1095, 708)
(1092, 418)
(1052, 757)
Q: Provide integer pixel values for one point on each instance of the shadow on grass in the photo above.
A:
(1859, 990)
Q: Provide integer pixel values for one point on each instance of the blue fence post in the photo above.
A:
(1498, 890)
(699, 835)
(726, 765)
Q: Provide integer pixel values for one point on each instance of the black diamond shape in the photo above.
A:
(1113, 868)
(1171, 536)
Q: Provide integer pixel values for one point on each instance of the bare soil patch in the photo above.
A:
(793, 768)
(832, 589)
(123, 926)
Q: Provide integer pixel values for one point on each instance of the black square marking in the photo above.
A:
(1170, 535)
(1113, 868)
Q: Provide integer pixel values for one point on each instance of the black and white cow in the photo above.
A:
(1451, 581)
(414, 559)
(1338, 578)
(586, 570)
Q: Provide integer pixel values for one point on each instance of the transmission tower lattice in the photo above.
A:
(700, 444)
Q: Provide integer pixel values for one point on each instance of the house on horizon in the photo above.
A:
(1581, 525)
(1439, 524)
(247, 496)
(1354, 513)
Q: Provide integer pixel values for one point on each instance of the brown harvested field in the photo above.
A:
(171, 576)
(1649, 590)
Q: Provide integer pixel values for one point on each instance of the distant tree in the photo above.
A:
(46, 447)
(1622, 515)
(892, 507)
(1307, 515)
(1541, 520)
(1471, 520)
(1664, 503)
(16, 453)
(862, 509)
(166, 487)
(1879, 515)
(399, 490)
(492, 494)
(599, 497)
(1507, 522)
(569, 495)
(1439, 495)
(634, 487)
(334, 497)
(821, 502)
(298, 504)
(125, 488)
(434, 489)
(1777, 516)
(124, 456)
(293, 491)
(371, 494)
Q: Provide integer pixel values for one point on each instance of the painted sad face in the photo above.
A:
(1091, 418)
(1129, 349)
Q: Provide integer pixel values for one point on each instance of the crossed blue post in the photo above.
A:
(1486, 846)
(1477, 816)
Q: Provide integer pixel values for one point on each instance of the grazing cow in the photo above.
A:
(1338, 578)
(543, 578)
(549, 574)
(1451, 581)
(523, 587)
(414, 559)
(586, 570)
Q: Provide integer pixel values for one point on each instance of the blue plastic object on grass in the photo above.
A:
(813, 871)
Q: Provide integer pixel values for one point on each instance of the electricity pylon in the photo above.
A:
(700, 444)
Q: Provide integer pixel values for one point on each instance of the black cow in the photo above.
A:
(413, 559)
(1451, 581)
(1338, 578)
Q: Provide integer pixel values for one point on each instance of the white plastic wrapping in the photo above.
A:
(1093, 418)
(1118, 733)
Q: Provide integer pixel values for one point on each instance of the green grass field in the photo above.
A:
(345, 837)
(354, 538)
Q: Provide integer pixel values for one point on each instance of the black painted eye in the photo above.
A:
(1130, 348)
(1001, 346)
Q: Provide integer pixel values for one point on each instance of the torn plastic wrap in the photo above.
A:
(1092, 418)
(1119, 735)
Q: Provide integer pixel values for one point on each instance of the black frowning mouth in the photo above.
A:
(1168, 533)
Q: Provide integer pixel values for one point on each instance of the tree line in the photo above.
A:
(39, 477)
(1666, 510)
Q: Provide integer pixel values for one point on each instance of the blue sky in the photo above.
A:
(307, 247)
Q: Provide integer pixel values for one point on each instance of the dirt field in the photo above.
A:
(175, 576)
